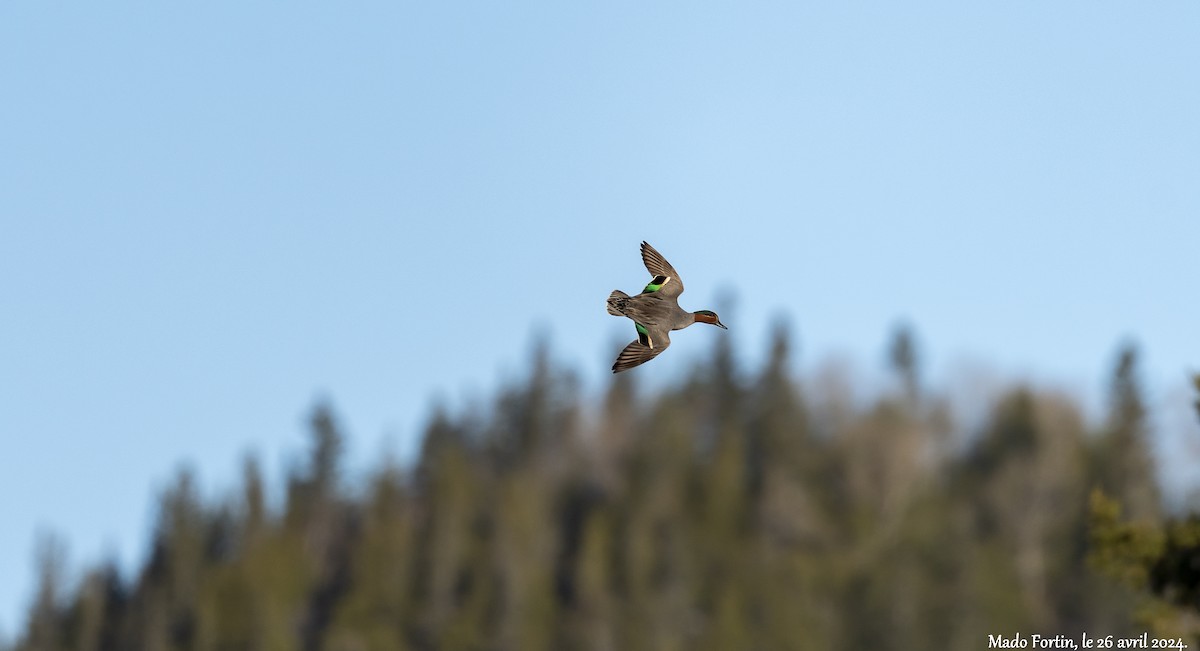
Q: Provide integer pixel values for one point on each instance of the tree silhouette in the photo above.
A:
(737, 509)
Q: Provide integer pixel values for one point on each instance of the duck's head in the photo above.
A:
(710, 317)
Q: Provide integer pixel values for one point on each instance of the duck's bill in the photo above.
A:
(721, 325)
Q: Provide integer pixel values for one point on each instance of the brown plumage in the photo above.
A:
(655, 312)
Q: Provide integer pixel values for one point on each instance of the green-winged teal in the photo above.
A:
(655, 312)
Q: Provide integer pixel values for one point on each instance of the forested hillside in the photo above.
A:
(722, 513)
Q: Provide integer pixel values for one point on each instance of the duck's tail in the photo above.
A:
(616, 302)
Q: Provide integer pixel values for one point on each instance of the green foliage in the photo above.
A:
(731, 512)
(1196, 383)
(1122, 549)
(1162, 560)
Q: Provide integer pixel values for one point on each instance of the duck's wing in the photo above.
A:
(641, 350)
(666, 280)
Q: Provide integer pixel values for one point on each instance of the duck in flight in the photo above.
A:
(655, 312)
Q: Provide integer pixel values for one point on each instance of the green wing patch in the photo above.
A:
(643, 335)
(656, 284)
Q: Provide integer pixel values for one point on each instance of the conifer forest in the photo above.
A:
(738, 509)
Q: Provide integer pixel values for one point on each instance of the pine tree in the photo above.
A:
(1125, 465)
(904, 360)
(376, 612)
(44, 630)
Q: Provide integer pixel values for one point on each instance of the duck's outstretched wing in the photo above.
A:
(635, 354)
(641, 350)
(666, 280)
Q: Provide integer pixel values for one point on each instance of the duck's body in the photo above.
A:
(655, 312)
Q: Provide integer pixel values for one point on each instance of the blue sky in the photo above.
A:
(214, 214)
